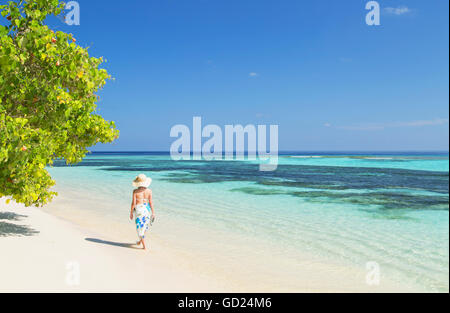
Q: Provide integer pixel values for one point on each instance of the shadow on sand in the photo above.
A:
(112, 243)
(11, 216)
(10, 229)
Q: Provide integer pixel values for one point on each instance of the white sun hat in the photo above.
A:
(142, 181)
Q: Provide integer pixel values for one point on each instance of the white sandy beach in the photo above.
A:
(47, 261)
(42, 253)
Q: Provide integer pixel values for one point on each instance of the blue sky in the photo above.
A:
(313, 67)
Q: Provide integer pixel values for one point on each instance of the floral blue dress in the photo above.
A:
(143, 216)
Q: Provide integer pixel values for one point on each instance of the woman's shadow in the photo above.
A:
(112, 243)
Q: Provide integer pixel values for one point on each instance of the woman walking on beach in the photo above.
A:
(141, 206)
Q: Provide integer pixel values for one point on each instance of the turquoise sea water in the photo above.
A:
(352, 209)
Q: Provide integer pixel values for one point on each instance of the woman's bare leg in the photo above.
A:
(143, 243)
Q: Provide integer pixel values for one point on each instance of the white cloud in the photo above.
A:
(253, 74)
(327, 125)
(367, 127)
(381, 126)
(436, 121)
(397, 11)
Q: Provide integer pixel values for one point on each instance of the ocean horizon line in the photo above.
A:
(296, 152)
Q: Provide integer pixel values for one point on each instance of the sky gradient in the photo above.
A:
(313, 67)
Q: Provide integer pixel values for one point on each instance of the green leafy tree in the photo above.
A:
(48, 87)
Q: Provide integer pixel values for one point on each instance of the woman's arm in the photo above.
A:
(133, 204)
(151, 202)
